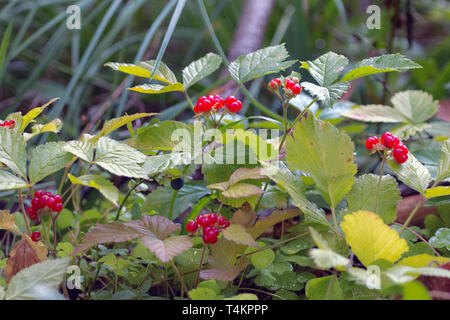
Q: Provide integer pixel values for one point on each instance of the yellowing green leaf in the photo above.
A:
(200, 69)
(33, 113)
(144, 69)
(53, 126)
(437, 192)
(371, 239)
(238, 234)
(157, 88)
(8, 221)
(423, 260)
(103, 185)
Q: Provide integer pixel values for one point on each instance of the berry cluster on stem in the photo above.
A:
(211, 226)
(389, 142)
(215, 103)
(42, 200)
(9, 124)
(291, 86)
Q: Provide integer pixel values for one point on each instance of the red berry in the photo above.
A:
(235, 106)
(38, 194)
(226, 224)
(50, 202)
(229, 100)
(402, 146)
(289, 84)
(38, 203)
(203, 221)
(370, 142)
(212, 238)
(36, 236)
(216, 231)
(31, 211)
(191, 226)
(58, 207)
(399, 155)
(213, 218)
(207, 230)
(221, 221)
(57, 198)
(274, 84)
(387, 139)
(12, 124)
(295, 79)
(296, 89)
(205, 239)
(218, 102)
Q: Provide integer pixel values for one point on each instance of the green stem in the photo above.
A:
(333, 214)
(22, 208)
(197, 278)
(411, 215)
(172, 203)
(138, 182)
(183, 285)
(379, 182)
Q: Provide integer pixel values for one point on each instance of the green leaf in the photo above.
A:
(47, 159)
(375, 113)
(326, 68)
(201, 68)
(160, 163)
(261, 62)
(441, 238)
(4, 45)
(384, 63)
(328, 95)
(412, 173)
(444, 164)
(83, 149)
(242, 190)
(114, 124)
(324, 288)
(416, 106)
(119, 158)
(204, 294)
(238, 234)
(12, 151)
(262, 259)
(9, 181)
(159, 136)
(33, 113)
(320, 149)
(64, 249)
(39, 281)
(144, 69)
(415, 290)
(363, 195)
(157, 88)
(103, 185)
(296, 189)
(160, 199)
(52, 126)
(437, 192)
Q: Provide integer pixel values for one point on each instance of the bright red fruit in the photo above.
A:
(296, 89)
(222, 221)
(371, 141)
(213, 218)
(191, 226)
(274, 84)
(400, 155)
(288, 83)
(58, 207)
(36, 236)
(31, 211)
(57, 198)
(38, 203)
(233, 104)
(38, 194)
(402, 146)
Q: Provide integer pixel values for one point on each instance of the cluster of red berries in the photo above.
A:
(43, 200)
(291, 86)
(9, 124)
(399, 150)
(209, 103)
(35, 236)
(210, 223)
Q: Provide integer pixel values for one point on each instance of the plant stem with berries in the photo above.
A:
(197, 278)
(377, 196)
(22, 208)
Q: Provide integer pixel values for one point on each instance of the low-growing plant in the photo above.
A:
(216, 210)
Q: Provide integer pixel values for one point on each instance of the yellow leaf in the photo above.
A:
(437, 192)
(371, 239)
(156, 88)
(8, 221)
(423, 260)
(33, 113)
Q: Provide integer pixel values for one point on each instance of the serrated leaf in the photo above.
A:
(103, 185)
(144, 69)
(326, 259)
(443, 171)
(296, 189)
(261, 62)
(384, 63)
(241, 190)
(416, 106)
(114, 124)
(371, 239)
(239, 234)
(12, 151)
(157, 88)
(200, 69)
(310, 149)
(363, 196)
(31, 282)
(119, 158)
(8, 221)
(328, 95)
(83, 149)
(422, 260)
(222, 274)
(324, 288)
(52, 126)
(47, 159)
(275, 217)
(9, 181)
(160, 163)
(33, 113)
(326, 68)
(168, 248)
(406, 130)
(375, 113)
(412, 173)
(437, 192)
(441, 238)
(203, 294)
(162, 136)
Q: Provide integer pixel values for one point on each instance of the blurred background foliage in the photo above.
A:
(45, 59)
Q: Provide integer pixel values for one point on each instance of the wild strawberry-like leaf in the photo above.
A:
(114, 124)
(371, 239)
(33, 113)
(103, 185)
(52, 126)
(157, 88)
(412, 173)
(241, 190)
(144, 69)
(168, 248)
(119, 158)
(47, 159)
(12, 151)
(222, 274)
(384, 63)
(423, 260)
(275, 217)
(25, 253)
(437, 192)
(318, 148)
(324, 288)
(296, 189)
(327, 95)
(201, 68)
(261, 62)
(9, 181)
(83, 149)
(416, 106)
(443, 171)
(375, 113)
(441, 238)
(363, 196)
(239, 234)
(35, 282)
